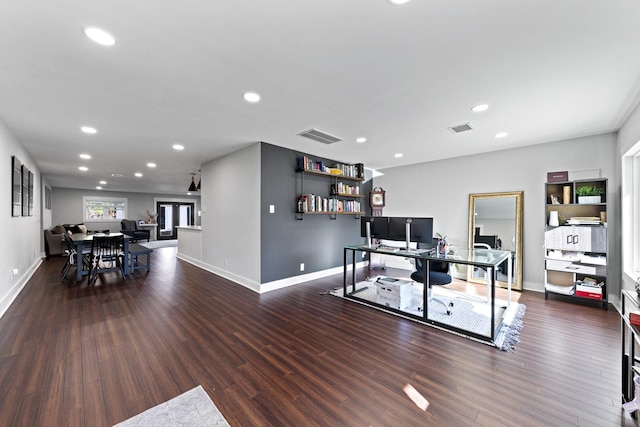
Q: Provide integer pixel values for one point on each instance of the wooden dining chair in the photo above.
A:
(107, 254)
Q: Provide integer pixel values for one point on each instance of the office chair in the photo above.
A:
(438, 276)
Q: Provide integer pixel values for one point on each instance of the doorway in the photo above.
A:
(171, 215)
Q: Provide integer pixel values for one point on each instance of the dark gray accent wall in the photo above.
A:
(315, 241)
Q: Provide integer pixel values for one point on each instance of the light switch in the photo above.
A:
(272, 208)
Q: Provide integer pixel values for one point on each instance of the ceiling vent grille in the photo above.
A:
(318, 135)
(461, 128)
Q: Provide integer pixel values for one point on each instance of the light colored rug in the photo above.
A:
(192, 408)
(470, 313)
(156, 244)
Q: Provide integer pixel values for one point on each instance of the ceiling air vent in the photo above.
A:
(461, 128)
(318, 135)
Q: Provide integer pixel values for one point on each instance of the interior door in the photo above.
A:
(171, 215)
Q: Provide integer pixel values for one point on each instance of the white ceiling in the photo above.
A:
(397, 75)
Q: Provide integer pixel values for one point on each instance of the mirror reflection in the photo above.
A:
(495, 221)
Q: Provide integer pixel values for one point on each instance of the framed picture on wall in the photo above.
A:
(16, 186)
(30, 193)
(47, 198)
(25, 191)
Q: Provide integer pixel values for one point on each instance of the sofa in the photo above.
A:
(130, 228)
(54, 237)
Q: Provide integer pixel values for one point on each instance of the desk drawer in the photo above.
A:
(568, 266)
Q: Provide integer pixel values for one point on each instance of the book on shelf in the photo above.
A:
(314, 203)
(634, 318)
(305, 163)
(342, 189)
(584, 220)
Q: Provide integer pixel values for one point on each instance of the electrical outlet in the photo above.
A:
(14, 272)
(302, 266)
(272, 208)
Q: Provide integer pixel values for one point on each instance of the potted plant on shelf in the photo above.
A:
(589, 194)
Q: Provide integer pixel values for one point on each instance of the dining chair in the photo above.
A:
(107, 254)
(73, 260)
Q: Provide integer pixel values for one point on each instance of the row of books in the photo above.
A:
(352, 171)
(313, 203)
(342, 188)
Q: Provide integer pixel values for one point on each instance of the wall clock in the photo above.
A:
(376, 200)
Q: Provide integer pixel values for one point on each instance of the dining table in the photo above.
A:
(83, 240)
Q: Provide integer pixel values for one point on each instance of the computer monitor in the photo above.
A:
(378, 227)
(422, 230)
(397, 228)
(409, 229)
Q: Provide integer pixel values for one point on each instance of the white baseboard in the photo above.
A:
(269, 286)
(13, 293)
(247, 283)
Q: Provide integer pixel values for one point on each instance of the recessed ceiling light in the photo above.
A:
(361, 140)
(117, 175)
(399, 1)
(398, 155)
(151, 165)
(99, 36)
(88, 129)
(98, 188)
(479, 108)
(85, 156)
(251, 97)
(178, 147)
(138, 175)
(83, 168)
(103, 182)
(501, 134)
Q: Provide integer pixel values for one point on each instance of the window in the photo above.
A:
(104, 209)
(631, 211)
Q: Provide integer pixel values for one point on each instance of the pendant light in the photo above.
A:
(192, 187)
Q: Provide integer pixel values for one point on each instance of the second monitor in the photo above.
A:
(408, 229)
(403, 229)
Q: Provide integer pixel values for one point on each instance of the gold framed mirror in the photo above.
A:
(495, 219)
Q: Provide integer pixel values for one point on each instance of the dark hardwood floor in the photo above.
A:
(79, 355)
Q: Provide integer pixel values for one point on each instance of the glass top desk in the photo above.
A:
(473, 316)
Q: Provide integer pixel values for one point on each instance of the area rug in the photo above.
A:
(469, 313)
(192, 408)
(156, 244)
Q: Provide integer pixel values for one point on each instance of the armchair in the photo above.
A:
(130, 228)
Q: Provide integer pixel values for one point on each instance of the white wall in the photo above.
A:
(231, 216)
(628, 136)
(20, 246)
(441, 189)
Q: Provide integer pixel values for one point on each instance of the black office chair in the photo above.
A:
(106, 255)
(438, 276)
